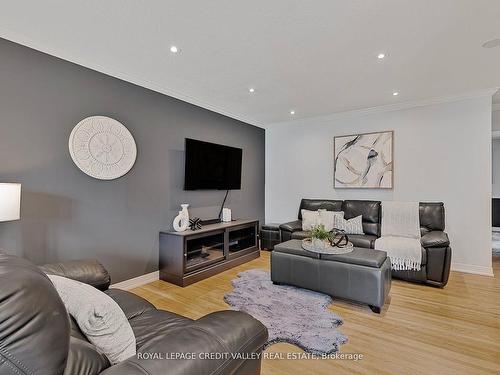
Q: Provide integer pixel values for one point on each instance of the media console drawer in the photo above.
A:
(190, 256)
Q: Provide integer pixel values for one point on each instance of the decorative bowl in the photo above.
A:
(324, 247)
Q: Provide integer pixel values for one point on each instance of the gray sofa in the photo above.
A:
(436, 250)
(37, 336)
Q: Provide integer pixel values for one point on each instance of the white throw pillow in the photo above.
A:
(99, 317)
(330, 218)
(309, 219)
(351, 226)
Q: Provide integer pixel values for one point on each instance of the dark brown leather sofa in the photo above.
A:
(436, 250)
(38, 337)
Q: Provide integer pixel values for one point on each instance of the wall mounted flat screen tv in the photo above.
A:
(210, 166)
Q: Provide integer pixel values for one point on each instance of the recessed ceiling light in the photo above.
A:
(395, 93)
(380, 56)
(292, 112)
(174, 49)
(251, 90)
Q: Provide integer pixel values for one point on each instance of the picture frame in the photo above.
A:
(364, 160)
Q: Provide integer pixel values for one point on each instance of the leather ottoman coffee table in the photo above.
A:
(363, 275)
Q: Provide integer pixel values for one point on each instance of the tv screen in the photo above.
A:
(210, 166)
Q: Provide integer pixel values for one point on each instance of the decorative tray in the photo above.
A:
(307, 244)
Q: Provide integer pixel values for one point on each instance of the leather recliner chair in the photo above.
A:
(38, 337)
(436, 250)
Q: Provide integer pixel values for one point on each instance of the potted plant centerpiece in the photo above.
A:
(326, 242)
(320, 237)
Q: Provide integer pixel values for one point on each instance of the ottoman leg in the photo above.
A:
(375, 309)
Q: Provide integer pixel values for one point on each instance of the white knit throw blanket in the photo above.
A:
(401, 235)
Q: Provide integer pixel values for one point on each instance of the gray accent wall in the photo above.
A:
(69, 215)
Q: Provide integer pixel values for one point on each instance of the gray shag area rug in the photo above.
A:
(293, 315)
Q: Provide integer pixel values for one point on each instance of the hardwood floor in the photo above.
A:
(422, 330)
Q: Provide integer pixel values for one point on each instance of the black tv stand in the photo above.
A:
(189, 256)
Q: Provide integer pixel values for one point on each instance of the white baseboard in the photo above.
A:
(137, 281)
(471, 268)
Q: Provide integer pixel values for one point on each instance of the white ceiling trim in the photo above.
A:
(317, 60)
(116, 73)
(398, 106)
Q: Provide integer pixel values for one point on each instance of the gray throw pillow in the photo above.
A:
(99, 317)
(351, 226)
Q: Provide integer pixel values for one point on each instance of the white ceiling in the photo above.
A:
(316, 57)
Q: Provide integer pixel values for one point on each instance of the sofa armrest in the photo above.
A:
(435, 238)
(438, 265)
(234, 336)
(87, 271)
(292, 226)
(240, 332)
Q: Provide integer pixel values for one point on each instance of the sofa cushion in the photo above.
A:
(300, 234)
(362, 240)
(75, 331)
(291, 226)
(35, 325)
(435, 239)
(220, 332)
(131, 304)
(431, 216)
(148, 325)
(370, 210)
(271, 227)
(230, 326)
(84, 358)
(88, 271)
(316, 204)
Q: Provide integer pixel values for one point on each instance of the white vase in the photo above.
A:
(320, 244)
(181, 221)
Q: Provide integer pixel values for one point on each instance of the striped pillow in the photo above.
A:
(351, 226)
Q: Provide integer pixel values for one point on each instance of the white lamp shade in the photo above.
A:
(10, 202)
